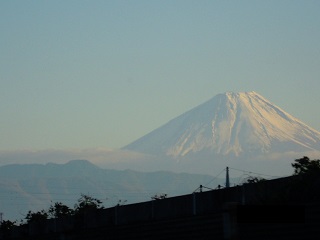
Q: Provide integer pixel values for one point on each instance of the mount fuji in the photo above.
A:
(231, 126)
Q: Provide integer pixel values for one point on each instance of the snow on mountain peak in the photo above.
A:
(230, 124)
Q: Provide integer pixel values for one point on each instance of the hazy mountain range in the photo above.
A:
(36, 186)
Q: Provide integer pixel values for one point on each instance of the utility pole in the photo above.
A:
(227, 178)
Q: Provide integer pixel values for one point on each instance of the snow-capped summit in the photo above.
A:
(230, 124)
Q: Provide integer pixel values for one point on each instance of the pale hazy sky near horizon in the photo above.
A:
(89, 74)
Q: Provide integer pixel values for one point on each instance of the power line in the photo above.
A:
(214, 178)
(262, 174)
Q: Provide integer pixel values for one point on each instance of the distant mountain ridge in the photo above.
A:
(71, 168)
(230, 125)
(25, 187)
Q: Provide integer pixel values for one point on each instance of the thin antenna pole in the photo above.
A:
(227, 178)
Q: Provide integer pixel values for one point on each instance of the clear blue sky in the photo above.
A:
(87, 74)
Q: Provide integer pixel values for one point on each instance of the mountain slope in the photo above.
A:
(230, 125)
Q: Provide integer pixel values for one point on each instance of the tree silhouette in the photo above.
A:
(37, 216)
(255, 179)
(306, 166)
(87, 203)
(5, 227)
(59, 210)
(306, 182)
